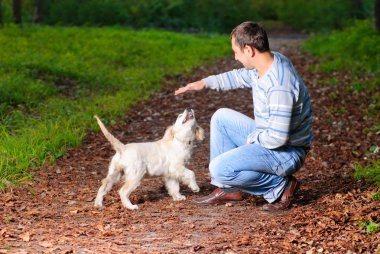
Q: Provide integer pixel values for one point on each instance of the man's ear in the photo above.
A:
(199, 133)
(169, 134)
(250, 50)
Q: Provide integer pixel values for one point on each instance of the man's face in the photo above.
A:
(244, 55)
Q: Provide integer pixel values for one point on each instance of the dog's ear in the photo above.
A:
(169, 134)
(199, 133)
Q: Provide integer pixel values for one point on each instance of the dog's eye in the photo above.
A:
(180, 115)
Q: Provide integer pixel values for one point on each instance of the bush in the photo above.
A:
(314, 15)
(356, 48)
(370, 172)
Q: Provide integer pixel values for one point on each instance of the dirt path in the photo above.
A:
(55, 213)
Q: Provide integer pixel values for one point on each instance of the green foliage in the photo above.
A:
(17, 88)
(373, 228)
(357, 87)
(370, 172)
(53, 80)
(33, 147)
(314, 15)
(355, 48)
(369, 226)
(376, 196)
(209, 15)
(197, 15)
(95, 12)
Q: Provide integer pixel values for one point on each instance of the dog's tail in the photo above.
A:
(116, 144)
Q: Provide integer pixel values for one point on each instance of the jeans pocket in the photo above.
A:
(288, 163)
(284, 169)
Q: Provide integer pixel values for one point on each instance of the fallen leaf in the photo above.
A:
(25, 236)
(46, 244)
(100, 227)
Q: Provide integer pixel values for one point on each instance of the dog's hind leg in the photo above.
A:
(131, 183)
(107, 183)
(172, 185)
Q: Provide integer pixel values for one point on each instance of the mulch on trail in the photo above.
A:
(55, 213)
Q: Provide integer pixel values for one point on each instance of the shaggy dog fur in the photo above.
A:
(165, 157)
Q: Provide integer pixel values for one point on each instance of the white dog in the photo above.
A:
(165, 157)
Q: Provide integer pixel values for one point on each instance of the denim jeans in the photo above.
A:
(248, 167)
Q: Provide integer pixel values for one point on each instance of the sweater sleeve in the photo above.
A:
(237, 78)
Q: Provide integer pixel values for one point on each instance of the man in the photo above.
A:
(259, 155)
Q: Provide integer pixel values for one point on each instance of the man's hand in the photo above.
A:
(195, 86)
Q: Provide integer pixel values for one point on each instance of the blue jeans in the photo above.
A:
(248, 167)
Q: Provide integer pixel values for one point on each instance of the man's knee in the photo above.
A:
(220, 171)
(219, 115)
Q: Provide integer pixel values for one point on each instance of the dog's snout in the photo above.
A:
(188, 114)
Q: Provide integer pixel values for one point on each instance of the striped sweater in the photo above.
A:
(281, 100)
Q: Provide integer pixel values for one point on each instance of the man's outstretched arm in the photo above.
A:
(195, 86)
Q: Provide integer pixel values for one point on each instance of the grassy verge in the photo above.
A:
(357, 50)
(54, 79)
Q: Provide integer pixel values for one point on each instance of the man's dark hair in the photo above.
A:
(251, 34)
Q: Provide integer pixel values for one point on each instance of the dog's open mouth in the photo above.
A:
(189, 115)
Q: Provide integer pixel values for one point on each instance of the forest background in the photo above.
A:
(189, 15)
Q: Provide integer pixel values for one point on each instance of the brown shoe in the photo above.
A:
(218, 196)
(286, 198)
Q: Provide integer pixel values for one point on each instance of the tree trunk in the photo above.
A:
(37, 16)
(1, 13)
(377, 15)
(17, 11)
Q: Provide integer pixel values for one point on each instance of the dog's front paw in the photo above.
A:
(98, 205)
(100, 208)
(179, 197)
(132, 207)
(195, 188)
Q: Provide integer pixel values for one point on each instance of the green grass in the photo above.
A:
(355, 49)
(54, 79)
(370, 171)
(369, 226)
